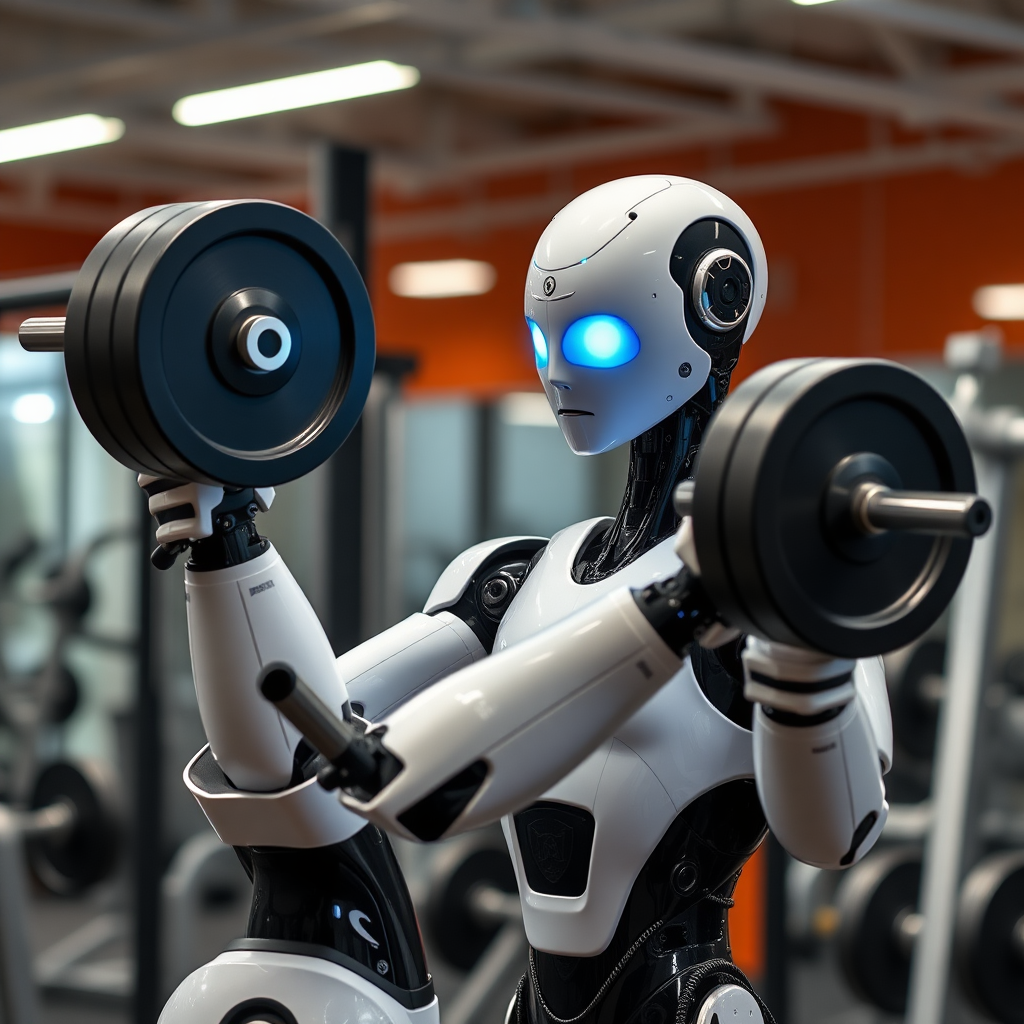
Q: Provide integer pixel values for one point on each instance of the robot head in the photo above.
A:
(633, 289)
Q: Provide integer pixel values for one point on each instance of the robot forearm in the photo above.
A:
(820, 749)
(489, 738)
(241, 618)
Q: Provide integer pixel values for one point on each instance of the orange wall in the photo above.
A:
(863, 268)
(747, 932)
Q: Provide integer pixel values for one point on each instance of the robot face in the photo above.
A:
(632, 286)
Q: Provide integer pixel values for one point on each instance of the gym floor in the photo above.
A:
(53, 920)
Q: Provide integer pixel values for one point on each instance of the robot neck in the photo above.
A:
(658, 459)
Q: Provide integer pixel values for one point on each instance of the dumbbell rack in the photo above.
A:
(997, 438)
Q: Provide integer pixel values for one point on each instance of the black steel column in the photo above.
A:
(776, 981)
(147, 849)
(340, 197)
(485, 482)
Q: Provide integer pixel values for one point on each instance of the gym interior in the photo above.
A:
(877, 147)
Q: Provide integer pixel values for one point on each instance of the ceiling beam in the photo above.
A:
(961, 28)
(209, 41)
(836, 169)
(528, 154)
(608, 98)
(213, 143)
(490, 37)
(981, 80)
(967, 156)
(128, 18)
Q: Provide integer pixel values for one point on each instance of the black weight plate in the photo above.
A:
(182, 275)
(871, 898)
(793, 582)
(915, 713)
(120, 371)
(87, 339)
(989, 940)
(712, 469)
(460, 938)
(67, 864)
(105, 362)
(63, 696)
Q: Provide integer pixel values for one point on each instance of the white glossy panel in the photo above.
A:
(592, 220)
(452, 583)
(315, 991)
(818, 783)
(389, 668)
(301, 817)
(532, 712)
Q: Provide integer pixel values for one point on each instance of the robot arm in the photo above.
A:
(487, 739)
(822, 741)
(455, 629)
(388, 669)
(246, 612)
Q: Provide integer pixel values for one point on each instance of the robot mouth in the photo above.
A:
(574, 412)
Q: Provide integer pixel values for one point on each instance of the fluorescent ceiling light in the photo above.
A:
(441, 279)
(58, 136)
(812, 3)
(1000, 302)
(292, 93)
(33, 408)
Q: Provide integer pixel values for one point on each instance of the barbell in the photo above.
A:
(833, 505)
(232, 342)
(222, 342)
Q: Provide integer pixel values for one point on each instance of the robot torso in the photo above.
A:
(580, 848)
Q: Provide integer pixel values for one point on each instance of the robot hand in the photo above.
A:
(795, 680)
(185, 511)
(718, 633)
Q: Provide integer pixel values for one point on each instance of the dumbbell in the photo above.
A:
(989, 937)
(833, 505)
(472, 893)
(878, 925)
(916, 691)
(72, 828)
(220, 342)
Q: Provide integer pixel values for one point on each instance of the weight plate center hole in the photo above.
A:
(264, 343)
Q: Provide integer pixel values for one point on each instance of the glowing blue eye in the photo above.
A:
(540, 343)
(602, 341)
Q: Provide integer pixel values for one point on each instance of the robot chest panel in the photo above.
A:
(677, 745)
(550, 593)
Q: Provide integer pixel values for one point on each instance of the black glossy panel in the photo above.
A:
(712, 839)
(555, 841)
(350, 897)
(430, 818)
(698, 239)
(719, 674)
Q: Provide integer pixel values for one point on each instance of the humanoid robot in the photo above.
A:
(561, 670)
